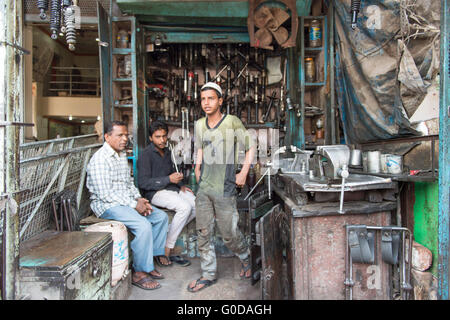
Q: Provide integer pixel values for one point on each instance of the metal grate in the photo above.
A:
(39, 148)
(44, 176)
(88, 7)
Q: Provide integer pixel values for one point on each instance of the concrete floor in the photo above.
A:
(228, 286)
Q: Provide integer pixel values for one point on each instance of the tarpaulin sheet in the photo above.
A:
(373, 68)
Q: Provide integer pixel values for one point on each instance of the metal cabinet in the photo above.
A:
(66, 266)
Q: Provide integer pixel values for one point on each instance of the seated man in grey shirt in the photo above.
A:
(164, 187)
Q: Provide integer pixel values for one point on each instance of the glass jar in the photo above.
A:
(310, 70)
(315, 34)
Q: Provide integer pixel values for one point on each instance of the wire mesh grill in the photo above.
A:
(87, 7)
(41, 179)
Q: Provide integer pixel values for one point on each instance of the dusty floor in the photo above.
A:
(228, 286)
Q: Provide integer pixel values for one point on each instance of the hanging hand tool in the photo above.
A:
(256, 98)
(272, 98)
(195, 104)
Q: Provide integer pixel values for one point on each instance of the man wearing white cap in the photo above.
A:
(218, 138)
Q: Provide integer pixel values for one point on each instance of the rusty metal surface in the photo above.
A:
(259, 205)
(67, 266)
(272, 254)
(319, 259)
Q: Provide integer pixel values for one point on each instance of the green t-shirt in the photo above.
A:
(223, 146)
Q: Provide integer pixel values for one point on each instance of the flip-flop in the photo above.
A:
(155, 277)
(162, 265)
(180, 260)
(245, 269)
(140, 283)
(207, 283)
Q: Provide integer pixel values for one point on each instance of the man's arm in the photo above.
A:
(198, 164)
(242, 176)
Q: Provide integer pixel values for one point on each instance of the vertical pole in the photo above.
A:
(332, 114)
(11, 102)
(444, 153)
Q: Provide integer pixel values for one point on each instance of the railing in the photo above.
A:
(74, 81)
(34, 149)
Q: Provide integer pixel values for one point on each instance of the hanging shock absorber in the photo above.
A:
(356, 5)
(55, 18)
(69, 22)
(43, 7)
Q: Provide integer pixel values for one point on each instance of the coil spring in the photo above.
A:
(55, 18)
(42, 6)
(69, 21)
(356, 4)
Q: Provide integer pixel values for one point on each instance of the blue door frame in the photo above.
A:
(444, 154)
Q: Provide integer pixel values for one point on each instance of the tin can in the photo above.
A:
(315, 34)
(373, 161)
(394, 164)
(310, 70)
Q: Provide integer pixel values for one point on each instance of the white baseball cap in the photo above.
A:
(212, 85)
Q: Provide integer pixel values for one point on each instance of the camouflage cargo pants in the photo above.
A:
(213, 210)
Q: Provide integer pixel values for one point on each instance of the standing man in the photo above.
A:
(114, 197)
(164, 187)
(218, 139)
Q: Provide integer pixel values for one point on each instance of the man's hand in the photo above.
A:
(240, 179)
(184, 189)
(176, 177)
(143, 207)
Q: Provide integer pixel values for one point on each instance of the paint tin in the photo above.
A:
(394, 164)
(355, 157)
(383, 163)
(373, 161)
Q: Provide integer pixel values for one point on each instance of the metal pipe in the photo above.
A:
(11, 94)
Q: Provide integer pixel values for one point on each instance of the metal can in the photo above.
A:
(310, 70)
(315, 34)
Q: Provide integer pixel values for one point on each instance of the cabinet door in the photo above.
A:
(272, 246)
(104, 34)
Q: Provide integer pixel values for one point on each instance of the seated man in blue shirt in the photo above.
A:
(164, 187)
(115, 197)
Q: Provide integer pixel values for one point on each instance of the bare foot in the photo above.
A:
(247, 273)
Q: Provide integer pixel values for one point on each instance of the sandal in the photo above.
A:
(155, 277)
(162, 265)
(140, 283)
(245, 268)
(207, 283)
(180, 260)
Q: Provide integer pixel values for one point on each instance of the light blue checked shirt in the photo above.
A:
(109, 181)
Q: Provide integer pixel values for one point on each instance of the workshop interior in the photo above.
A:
(347, 197)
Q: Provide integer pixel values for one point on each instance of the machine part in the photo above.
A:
(272, 98)
(405, 272)
(55, 18)
(355, 7)
(69, 21)
(332, 158)
(43, 7)
(344, 174)
(190, 82)
(390, 241)
(361, 244)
